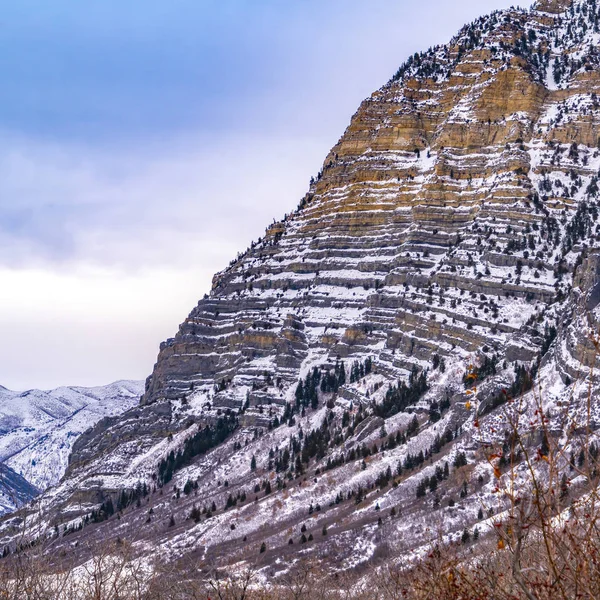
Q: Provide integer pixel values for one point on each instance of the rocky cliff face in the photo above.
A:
(453, 224)
(553, 6)
(438, 224)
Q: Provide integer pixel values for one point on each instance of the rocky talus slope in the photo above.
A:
(452, 230)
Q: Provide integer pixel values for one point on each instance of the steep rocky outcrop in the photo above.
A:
(452, 230)
(436, 225)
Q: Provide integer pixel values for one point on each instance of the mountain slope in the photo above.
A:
(450, 237)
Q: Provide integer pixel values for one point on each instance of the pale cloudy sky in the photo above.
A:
(146, 142)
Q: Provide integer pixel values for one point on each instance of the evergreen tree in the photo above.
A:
(422, 487)
(299, 393)
(460, 460)
(342, 374)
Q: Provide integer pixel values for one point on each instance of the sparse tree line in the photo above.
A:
(201, 442)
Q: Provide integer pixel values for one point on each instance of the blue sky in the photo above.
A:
(146, 142)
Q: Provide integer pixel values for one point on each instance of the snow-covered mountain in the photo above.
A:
(38, 428)
(357, 362)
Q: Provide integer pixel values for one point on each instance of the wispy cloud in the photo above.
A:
(169, 206)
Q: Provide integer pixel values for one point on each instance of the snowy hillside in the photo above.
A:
(38, 428)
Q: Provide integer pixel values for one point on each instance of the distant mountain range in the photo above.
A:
(38, 428)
